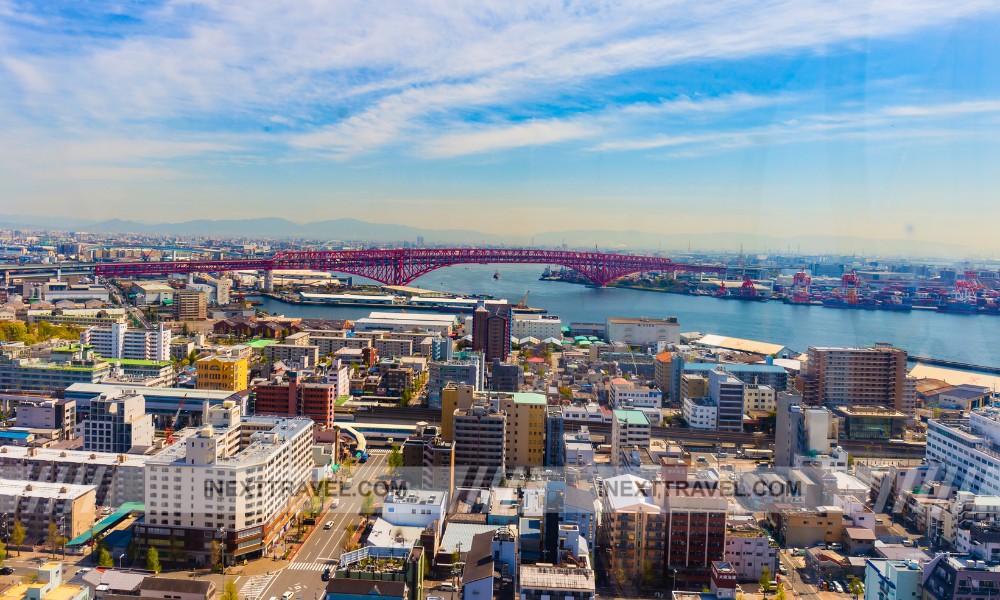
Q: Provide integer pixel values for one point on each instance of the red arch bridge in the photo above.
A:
(400, 267)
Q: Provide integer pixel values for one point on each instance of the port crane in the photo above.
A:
(801, 284)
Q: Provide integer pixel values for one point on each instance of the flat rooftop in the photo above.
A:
(43, 489)
(556, 578)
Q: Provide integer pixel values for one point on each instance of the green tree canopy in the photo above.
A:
(153, 560)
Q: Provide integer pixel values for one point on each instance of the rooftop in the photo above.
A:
(631, 417)
(732, 343)
(43, 489)
(556, 578)
(52, 455)
(529, 398)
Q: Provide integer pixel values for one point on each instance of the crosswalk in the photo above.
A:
(256, 585)
(314, 566)
(374, 451)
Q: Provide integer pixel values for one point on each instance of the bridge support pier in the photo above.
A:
(190, 278)
(268, 281)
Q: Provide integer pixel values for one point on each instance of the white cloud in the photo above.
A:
(368, 79)
(533, 133)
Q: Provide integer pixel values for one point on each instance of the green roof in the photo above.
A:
(108, 521)
(260, 343)
(529, 398)
(631, 417)
(138, 362)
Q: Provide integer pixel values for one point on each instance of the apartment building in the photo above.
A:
(245, 475)
(892, 579)
(726, 392)
(491, 330)
(630, 395)
(801, 527)
(662, 373)
(118, 423)
(224, 373)
(749, 549)
(432, 455)
(969, 450)
(469, 371)
(36, 504)
(758, 397)
(540, 327)
(525, 428)
(117, 478)
(841, 376)
(35, 412)
(629, 428)
(190, 305)
(480, 445)
(118, 340)
(296, 397)
(293, 354)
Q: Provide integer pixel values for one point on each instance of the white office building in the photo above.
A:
(118, 340)
(243, 475)
(700, 413)
(415, 508)
(627, 394)
(629, 428)
(969, 449)
(537, 326)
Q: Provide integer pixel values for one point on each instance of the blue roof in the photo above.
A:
(742, 368)
(15, 435)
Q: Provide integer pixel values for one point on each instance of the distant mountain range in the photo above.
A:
(354, 229)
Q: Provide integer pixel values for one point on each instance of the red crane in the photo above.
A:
(170, 427)
(801, 285)
(748, 289)
(849, 284)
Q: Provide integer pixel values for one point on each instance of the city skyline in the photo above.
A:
(790, 119)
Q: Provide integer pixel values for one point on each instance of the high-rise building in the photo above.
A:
(190, 305)
(629, 428)
(227, 373)
(555, 455)
(726, 392)
(433, 455)
(505, 377)
(491, 331)
(467, 371)
(525, 429)
(892, 579)
(295, 397)
(840, 376)
(118, 423)
(480, 446)
(118, 340)
(442, 349)
(242, 475)
(662, 372)
(454, 396)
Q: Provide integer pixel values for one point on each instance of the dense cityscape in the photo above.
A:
(163, 434)
(452, 300)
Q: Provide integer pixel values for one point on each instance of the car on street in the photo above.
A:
(328, 526)
(326, 574)
(6, 571)
(447, 587)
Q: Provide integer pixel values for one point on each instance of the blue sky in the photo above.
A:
(877, 119)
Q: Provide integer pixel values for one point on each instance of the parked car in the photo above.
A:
(447, 587)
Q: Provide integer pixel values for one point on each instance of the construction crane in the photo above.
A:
(524, 301)
(173, 424)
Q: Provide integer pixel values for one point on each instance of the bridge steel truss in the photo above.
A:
(402, 266)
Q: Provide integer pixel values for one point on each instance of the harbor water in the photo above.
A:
(972, 339)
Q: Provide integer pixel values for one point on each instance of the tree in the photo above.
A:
(348, 544)
(780, 594)
(395, 459)
(104, 558)
(215, 554)
(765, 581)
(367, 506)
(854, 587)
(52, 538)
(3, 554)
(229, 591)
(153, 560)
(850, 461)
(17, 535)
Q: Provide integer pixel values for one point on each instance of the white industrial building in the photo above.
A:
(536, 326)
(415, 508)
(398, 322)
(643, 331)
(700, 413)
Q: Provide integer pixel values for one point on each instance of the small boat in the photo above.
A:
(496, 274)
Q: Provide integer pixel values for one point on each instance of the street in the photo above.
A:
(303, 576)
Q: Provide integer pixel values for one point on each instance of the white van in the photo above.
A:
(286, 596)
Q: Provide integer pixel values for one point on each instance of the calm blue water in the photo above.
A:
(963, 338)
